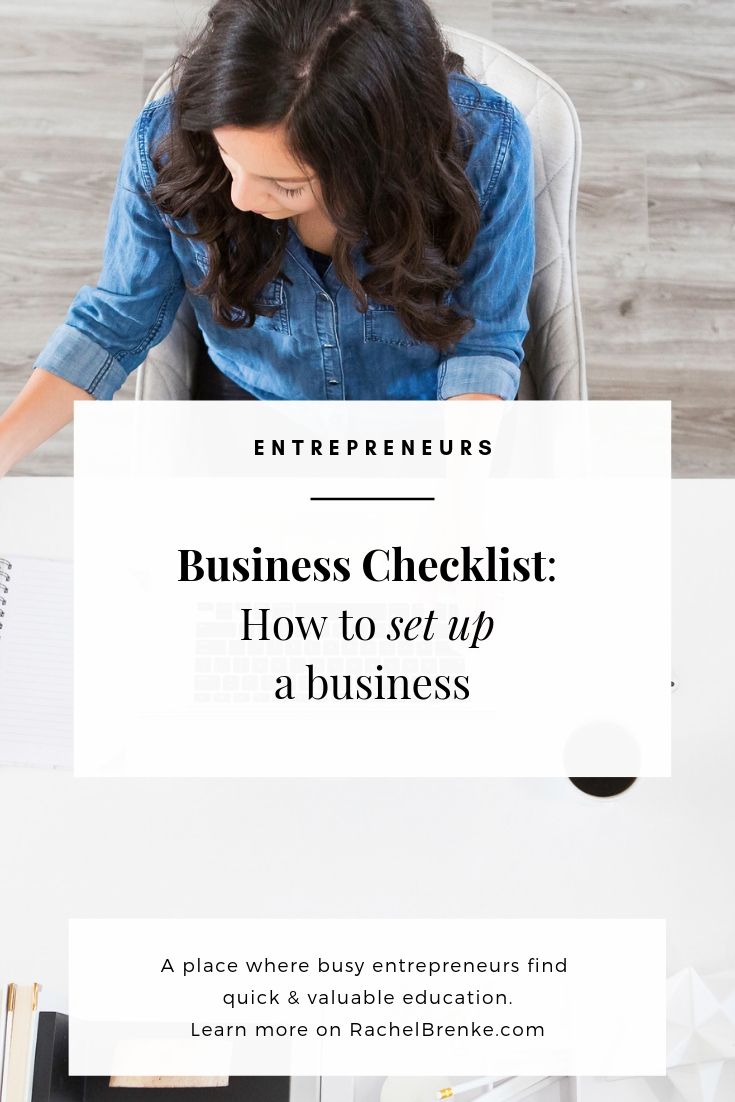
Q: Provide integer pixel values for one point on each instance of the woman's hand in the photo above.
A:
(44, 405)
(475, 397)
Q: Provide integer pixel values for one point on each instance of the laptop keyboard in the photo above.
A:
(229, 670)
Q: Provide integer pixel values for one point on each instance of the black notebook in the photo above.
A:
(35, 662)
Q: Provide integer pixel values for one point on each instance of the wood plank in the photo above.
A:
(691, 204)
(612, 212)
(57, 81)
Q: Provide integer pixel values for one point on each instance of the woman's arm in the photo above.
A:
(496, 278)
(44, 405)
(110, 327)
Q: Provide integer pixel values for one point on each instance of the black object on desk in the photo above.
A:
(51, 1079)
(52, 1082)
(602, 786)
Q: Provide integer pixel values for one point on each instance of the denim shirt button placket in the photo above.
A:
(331, 360)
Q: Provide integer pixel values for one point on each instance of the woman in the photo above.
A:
(350, 215)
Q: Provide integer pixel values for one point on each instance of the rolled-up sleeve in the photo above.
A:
(110, 328)
(496, 277)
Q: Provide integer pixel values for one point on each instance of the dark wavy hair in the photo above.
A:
(361, 87)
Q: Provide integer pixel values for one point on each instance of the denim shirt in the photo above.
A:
(316, 344)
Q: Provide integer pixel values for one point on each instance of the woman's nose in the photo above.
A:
(246, 193)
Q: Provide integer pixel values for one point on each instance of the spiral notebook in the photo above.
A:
(35, 662)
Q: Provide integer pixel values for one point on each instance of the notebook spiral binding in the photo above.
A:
(5, 567)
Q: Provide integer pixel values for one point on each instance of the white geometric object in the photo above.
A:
(701, 1018)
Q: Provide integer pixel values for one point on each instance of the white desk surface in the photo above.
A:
(362, 848)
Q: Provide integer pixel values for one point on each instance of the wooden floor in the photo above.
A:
(654, 87)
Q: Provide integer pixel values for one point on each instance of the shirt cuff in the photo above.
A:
(74, 356)
(478, 375)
